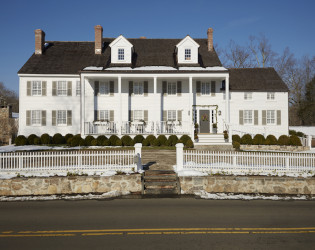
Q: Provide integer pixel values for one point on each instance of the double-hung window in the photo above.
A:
(36, 117)
(103, 115)
(138, 88)
(78, 88)
(62, 117)
(271, 117)
(248, 117)
(62, 88)
(36, 88)
(121, 54)
(171, 115)
(205, 88)
(187, 54)
(138, 115)
(104, 88)
(248, 96)
(270, 95)
(171, 88)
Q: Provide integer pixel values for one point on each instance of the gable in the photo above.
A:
(187, 51)
(121, 51)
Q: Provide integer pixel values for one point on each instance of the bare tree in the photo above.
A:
(10, 96)
(261, 51)
(238, 56)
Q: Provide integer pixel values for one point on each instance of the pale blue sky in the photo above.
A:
(284, 23)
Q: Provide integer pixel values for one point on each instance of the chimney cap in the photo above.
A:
(209, 30)
(142, 37)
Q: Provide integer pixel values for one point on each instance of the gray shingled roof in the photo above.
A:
(256, 79)
(72, 57)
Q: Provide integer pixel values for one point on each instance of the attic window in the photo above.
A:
(121, 54)
(187, 54)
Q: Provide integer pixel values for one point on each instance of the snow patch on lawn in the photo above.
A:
(66, 197)
(230, 196)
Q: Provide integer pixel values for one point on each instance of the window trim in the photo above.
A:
(271, 96)
(268, 118)
(245, 118)
(64, 90)
(78, 88)
(172, 112)
(121, 56)
(139, 85)
(205, 88)
(171, 88)
(40, 117)
(40, 89)
(246, 96)
(186, 58)
(106, 113)
(63, 118)
(106, 88)
(142, 115)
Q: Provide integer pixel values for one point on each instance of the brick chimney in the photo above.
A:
(98, 39)
(210, 39)
(39, 41)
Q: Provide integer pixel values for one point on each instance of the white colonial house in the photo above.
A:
(146, 86)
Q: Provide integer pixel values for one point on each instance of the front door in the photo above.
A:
(204, 121)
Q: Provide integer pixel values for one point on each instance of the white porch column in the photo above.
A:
(119, 106)
(227, 100)
(157, 101)
(82, 106)
(190, 103)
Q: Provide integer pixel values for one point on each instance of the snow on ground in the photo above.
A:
(230, 196)
(304, 129)
(93, 68)
(10, 175)
(226, 170)
(107, 195)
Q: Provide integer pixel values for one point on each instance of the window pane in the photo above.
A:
(205, 88)
(104, 115)
(187, 54)
(171, 88)
(271, 117)
(78, 88)
(248, 116)
(121, 54)
(36, 117)
(61, 117)
(104, 88)
(248, 95)
(138, 88)
(62, 88)
(171, 115)
(36, 88)
(138, 115)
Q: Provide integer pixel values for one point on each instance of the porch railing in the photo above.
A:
(137, 128)
(96, 128)
(170, 127)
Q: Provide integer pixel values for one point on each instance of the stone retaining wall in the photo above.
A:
(248, 185)
(70, 185)
(274, 147)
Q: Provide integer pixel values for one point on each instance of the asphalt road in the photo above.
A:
(184, 223)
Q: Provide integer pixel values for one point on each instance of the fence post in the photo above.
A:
(309, 140)
(179, 156)
(287, 164)
(138, 147)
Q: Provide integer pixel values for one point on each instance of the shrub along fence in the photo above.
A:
(68, 161)
(246, 162)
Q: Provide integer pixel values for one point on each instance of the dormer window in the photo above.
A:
(187, 54)
(121, 54)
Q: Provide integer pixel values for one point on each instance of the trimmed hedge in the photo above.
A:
(172, 140)
(146, 143)
(138, 139)
(236, 145)
(189, 144)
(30, 139)
(283, 140)
(161, 140)
(295, 141)
(37, 141)
(118, 143)
(236, 138)
(58, 139)
(67, 137)
(126, 140)
(100, 140)
(88, 140)
(20, 140)
(247, 139)
(271, 140)
(113, 139)
(94, 142)
(150, 139)
(259, 139)
(45, 139)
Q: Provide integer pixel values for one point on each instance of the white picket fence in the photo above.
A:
(245, 162)
(69, 161)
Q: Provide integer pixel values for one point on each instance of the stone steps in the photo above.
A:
(160, 183)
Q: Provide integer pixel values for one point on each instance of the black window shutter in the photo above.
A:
(130, 87)
(96, 88)
(145, 88)
(198, 88)
(179, 88)
(111, 88)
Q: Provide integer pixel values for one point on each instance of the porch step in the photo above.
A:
(211, 139)
(160, 183)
